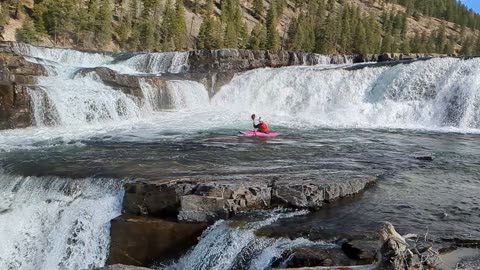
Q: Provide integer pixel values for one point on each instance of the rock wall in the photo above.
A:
(16, 77)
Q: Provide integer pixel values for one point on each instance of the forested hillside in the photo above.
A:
(322, 26)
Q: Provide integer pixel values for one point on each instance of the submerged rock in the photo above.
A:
(424, 158)
(312, 257)
(122, 267)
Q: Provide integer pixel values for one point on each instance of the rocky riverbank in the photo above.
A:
(162, 219)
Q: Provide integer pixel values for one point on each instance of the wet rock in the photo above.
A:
(213, 201)
(200, 202)
(129, 84)
(16, 77)
(424, 158)
(210, 201)
(363, 251)
(156, 199)
(313, 193)
(313, 257)
(122, 267)
(142, 241)
(237, 60)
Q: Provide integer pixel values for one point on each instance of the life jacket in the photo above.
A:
(262, 127)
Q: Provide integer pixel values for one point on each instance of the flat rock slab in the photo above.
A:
(206, 201)
(142, 241)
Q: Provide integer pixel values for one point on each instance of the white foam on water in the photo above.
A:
(66, 57)
(226, 246)
(82, 101)
(435, 94)
(54, 223)
(188, 95)
(154, 63)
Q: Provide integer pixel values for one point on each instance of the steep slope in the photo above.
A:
(141, 25)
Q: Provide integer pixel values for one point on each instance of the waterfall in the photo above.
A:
(188, 94)
(226, 245)
(70, 102)
(154, 63)
(149, 63)
(433, 94)
(55, 223)
(66, 57)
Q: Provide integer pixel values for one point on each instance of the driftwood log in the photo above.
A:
(406, 252)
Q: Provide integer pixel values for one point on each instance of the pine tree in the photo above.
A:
(326, 39)
(258, 8)
(103, 27)
(406, 46)
(273, 39)
(27, 33)
(230, 40)
(361, 46)
(147, 35)
(346, 35)
(387, 43)
(258, 38)
(450, 48)
(167, 28)
(467, 47)
(180, 27)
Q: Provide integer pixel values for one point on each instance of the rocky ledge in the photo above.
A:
(209, 201)
(162, 219)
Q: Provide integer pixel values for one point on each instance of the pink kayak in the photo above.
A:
(253, 133)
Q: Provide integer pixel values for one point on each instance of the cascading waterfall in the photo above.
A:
(55, 223)
(155, 63)
(66, 57)
(433, 94)
(188, 94)
(226, 245)
(66, 99)
(69, 102)
(151, 63)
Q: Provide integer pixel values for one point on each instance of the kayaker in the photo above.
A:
(261, 127)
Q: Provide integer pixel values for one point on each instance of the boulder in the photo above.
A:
(142, 241)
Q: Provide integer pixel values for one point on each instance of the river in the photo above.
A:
(61, 179)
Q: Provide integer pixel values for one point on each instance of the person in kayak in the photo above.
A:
(261, 127)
